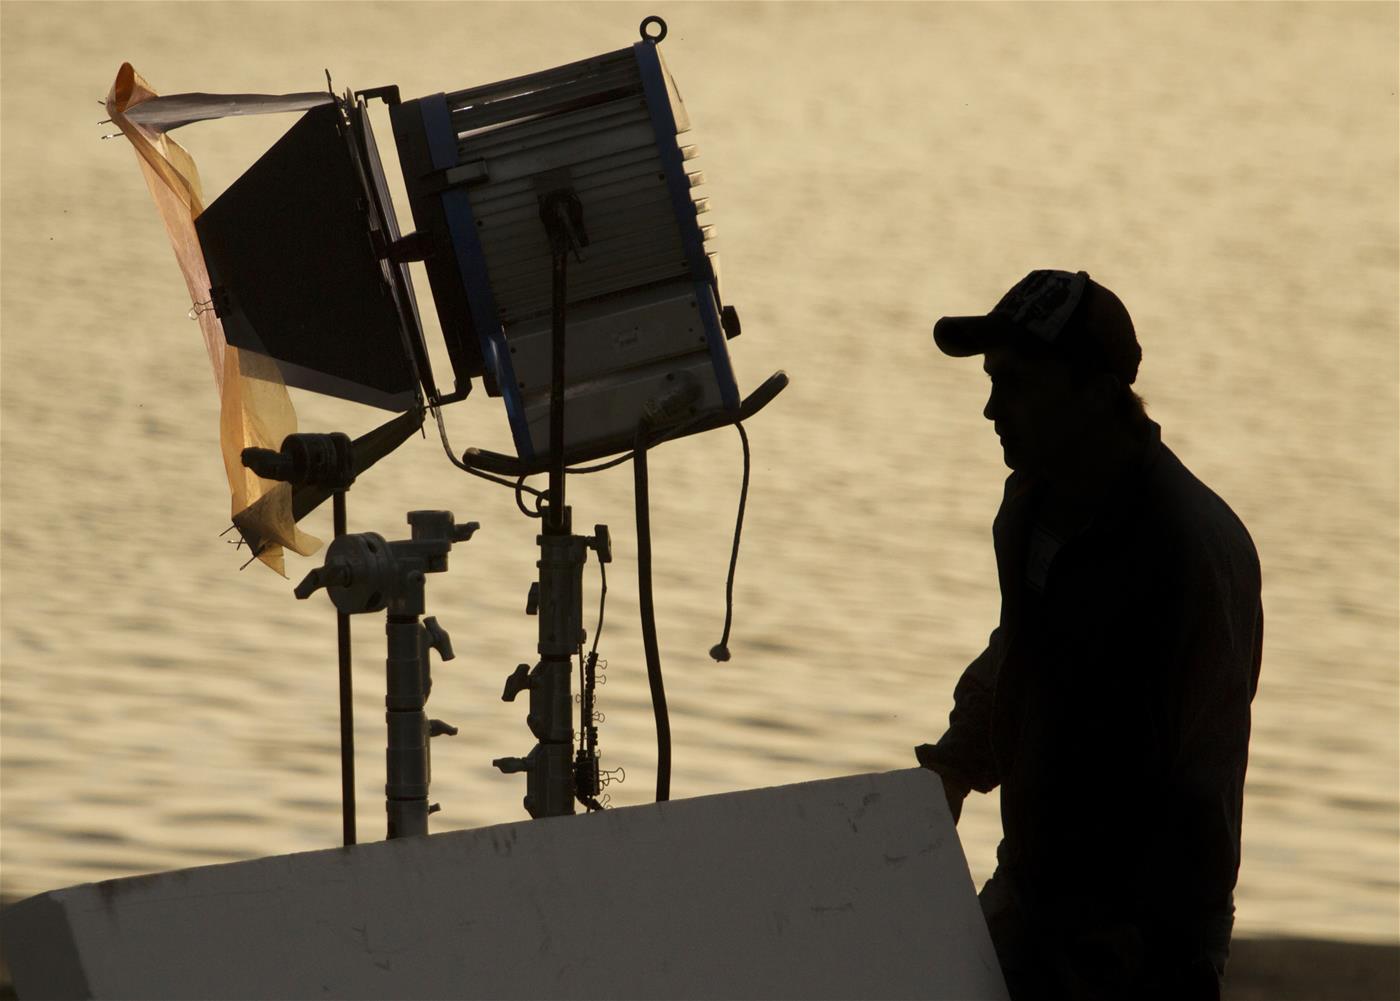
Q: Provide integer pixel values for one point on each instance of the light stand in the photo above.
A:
(364, 573)
(347, 696)
(317, 466)
(553, 778)
(648, 331)
(323, 462)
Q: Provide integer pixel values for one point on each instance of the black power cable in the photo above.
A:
(519, 486)
(588, 681)
(648, 613)
(602, 603)
(720, 651)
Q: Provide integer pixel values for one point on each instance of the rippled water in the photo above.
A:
(1230, 170)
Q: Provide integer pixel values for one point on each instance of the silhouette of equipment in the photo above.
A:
(364, 573)
(552, 784)
(594, 144)
(554, 778)
(317, 466)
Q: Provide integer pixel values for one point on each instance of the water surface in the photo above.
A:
(1230, 170)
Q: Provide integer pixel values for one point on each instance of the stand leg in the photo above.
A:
(347, 705)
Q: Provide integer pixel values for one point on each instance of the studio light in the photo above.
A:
(643, 295)
(307, 264)
(557, 219)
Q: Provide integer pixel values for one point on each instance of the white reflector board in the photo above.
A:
(844, 888)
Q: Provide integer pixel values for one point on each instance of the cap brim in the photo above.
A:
(961, 336)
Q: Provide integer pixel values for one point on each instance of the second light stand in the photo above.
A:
(365, 573)
(553, 778)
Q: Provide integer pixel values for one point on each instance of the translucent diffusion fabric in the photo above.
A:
(255, 410)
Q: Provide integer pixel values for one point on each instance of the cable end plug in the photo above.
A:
(719, 652)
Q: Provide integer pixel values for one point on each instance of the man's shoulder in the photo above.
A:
(1190, 518)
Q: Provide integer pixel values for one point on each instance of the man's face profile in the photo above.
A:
(1037, 407)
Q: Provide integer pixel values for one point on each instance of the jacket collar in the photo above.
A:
(1023, 492)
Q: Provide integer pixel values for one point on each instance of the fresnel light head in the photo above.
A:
(307, 264)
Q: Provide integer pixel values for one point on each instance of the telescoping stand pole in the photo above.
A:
(364, 573)
(408, 674)
(558, 595)
(323, 461)
(347, 701)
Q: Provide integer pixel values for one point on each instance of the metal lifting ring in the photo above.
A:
(657, 38)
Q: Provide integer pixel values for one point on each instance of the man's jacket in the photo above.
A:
(1112, 706)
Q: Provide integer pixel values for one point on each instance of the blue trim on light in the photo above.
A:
(663, 126)
(471, 268)
(437, 126)
(471, 265)
(708, 308)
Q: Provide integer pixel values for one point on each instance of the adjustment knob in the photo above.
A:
(516, 683)
(358, 575)
(729, 323)
(601, 543)
(329, 576)
(437, 638)
(511, 765)
(309, 585)
(437, 728)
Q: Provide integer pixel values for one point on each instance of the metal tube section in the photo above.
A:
(559, 590)
(364, 573)
(347, 704)
(554, 524)
(561, 573)
(406, 791)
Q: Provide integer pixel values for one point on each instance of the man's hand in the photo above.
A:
(953, 788)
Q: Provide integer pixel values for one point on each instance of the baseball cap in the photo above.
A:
(1064, 313)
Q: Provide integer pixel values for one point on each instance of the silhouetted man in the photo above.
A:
(1112, 702)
